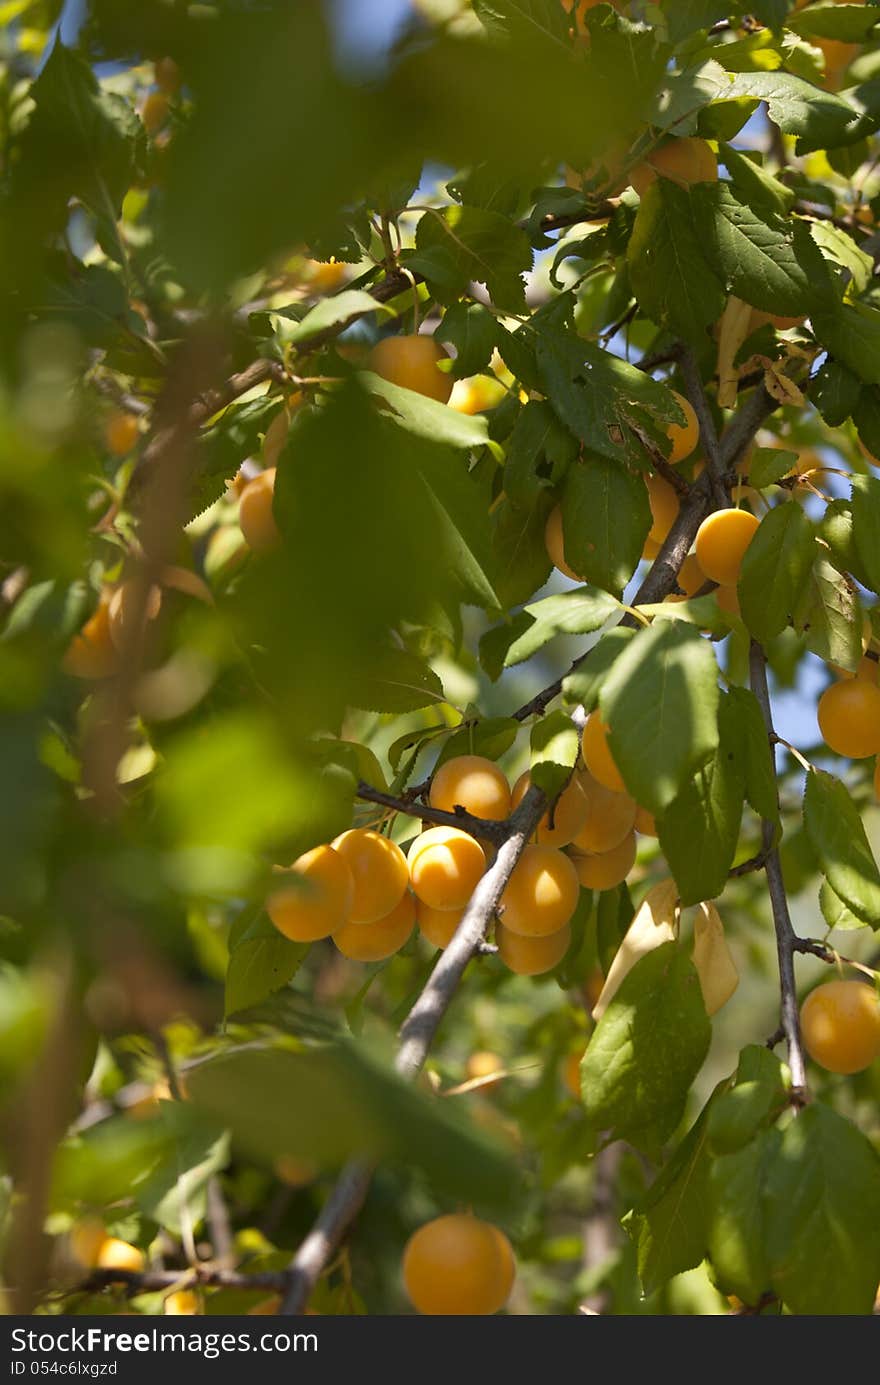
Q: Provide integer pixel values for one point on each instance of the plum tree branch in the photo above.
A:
(708, 436)
(786, 938)
(491, 831)
(416, 1036)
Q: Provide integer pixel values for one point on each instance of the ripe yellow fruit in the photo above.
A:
(728, 599)
(321, 901)
(445, 865)
(596, 754)
(651, 548)
(457, 1266)
(691, 576)
(610, 817)
(838, 57)
(683, 161)
(255, 516)
(664, 507)
(571, 1072)
(154, 112)
(877, 780)
(849, 718)
(531, 956)
(645, 822)
(722, 540)
(568, 813)
(326, 276)
(411, 362)
(483, 1064)
(608, 869)
(840, 1021)
(437, 925)
(119, 1255)
(683, 436)
(92, 653)
(474, 783)
(379, 870)
(541, 894)
(554, 543)
(868, 669)
(85, 1240)
(121, 433)
(373, 942)
(782, 324)
(183, 1303)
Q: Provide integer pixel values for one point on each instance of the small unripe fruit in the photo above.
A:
(531, 956)
(473, 783)
(568, 814)
(445, 865)
(541, 894)
(92, 653)
(457, 1266)
(437, 925)
(555, 545)
(483, 1064)
(121, 433)
(608, 869)
(373, 942)
(379, 870)
(168, 76)
(597, 755)
(154, 112)
(255, 517)
(411, 362)
(849, 718)
(722, 540)
(840, 1021)
(321, 900)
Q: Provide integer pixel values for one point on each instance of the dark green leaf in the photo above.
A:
(834, 827)
(605, 519)
(866, 525)
(775, 569)
(829, 614)
(754, 749)
(471, 329)
(757, 1098)
(539, 452)
(675, 285)
(769, 464)
(736, 1222)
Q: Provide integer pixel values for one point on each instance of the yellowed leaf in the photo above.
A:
(655, 922)
(716, 968)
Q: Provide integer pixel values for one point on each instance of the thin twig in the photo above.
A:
(416, 1035)
(786, 939)
(708, 436)
(491, 831)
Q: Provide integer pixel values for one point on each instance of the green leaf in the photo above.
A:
(835, 392)
(576, 612)
(492, 737)
(821, 1194)
(836, 528)
(522, 563)
(174, 1195)
(754, 751)
(601, 398)
(736, 1220)
(614, 914)
(754, 184)
(829, 615)
(539, 452)
(836, 245)
(820, 119)
(339, 1102)
(397, 682)
(753, 255)
(769, 464)
(224, 446)
(699, 830)
(646, 1050)
(460, 523)
(846, 23)
(834, 828)
(555, 744)
(261, 961)
(582, 686)
(757, 1098)
(463, 244)
(472, 330)
(605, 520)
(331, 312)
(668, 1222)
(835, 913)
(660, 700)
(866, 525)
(774, 570)
(851, 333)
(427, 418)
(670, 276)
